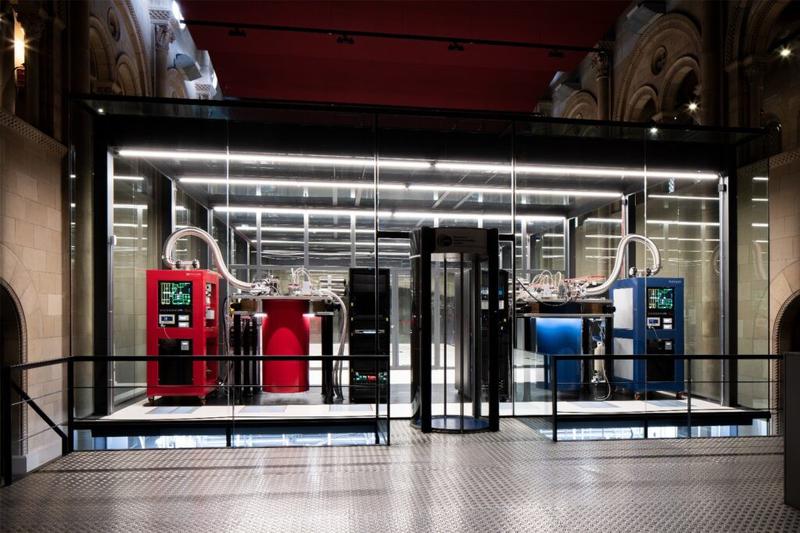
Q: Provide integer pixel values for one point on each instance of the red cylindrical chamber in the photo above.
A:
(286, 332)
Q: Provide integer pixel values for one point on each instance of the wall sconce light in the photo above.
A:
(19, 54)
(785, 51)
(692, 106)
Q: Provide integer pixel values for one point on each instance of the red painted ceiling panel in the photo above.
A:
(312, 67)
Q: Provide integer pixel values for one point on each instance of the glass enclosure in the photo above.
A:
(327, 192)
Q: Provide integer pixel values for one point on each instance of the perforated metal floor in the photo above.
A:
(507, 481)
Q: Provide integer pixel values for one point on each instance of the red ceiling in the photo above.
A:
(310, 67)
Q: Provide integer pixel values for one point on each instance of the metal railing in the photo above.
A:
(229, 403)
(685, 401)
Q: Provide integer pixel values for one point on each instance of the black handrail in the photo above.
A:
(7, 385)
(553, 366)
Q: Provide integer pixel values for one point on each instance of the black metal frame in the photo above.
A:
(345, 36)
(377, 425)
(423, 245)
(666, 418)
(791, 443)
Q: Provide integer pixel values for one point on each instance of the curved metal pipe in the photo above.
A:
(219, 261)
(620, 260)
(168, 255)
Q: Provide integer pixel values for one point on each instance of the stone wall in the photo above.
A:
(33, 264)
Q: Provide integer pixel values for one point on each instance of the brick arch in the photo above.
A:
(674, 31)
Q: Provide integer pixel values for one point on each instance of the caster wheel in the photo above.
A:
(637, 396)
(151, 400)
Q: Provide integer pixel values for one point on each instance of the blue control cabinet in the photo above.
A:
(562, 336)
(648, 319)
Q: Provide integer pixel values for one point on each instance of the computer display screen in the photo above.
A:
(175, 293)
(661, 298)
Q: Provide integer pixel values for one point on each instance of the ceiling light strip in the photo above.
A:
(545, 170)
(684, 197)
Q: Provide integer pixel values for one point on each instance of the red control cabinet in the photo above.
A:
(286, 332)
(182, 321)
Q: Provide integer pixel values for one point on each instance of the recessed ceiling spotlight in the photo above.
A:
(785, 51)
(101, 110)
(692, 106)
(653, 130)
(345, 39)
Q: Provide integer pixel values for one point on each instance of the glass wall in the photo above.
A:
(321, 192)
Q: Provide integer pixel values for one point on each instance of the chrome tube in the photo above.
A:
(620, 261)
(168, 256)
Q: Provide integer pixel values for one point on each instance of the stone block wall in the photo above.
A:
(33, 265)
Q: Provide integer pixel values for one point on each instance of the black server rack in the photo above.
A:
(365, 335)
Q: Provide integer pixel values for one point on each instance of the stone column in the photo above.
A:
(600, 63)
(82, 308)
(754, 73)
(710, 65)
(164, 36)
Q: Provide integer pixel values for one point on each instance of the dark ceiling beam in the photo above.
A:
(345, 36)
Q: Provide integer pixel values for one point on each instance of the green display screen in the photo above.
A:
(661, 298)
(175, 293)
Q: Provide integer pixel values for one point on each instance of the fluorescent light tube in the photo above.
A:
(683, 197)
(598, 172)
(472, 167)
(300, 229)
(292, 183)
(604, 220)
(403, 215)
(681, 223)
(239, 157)
(569, 192)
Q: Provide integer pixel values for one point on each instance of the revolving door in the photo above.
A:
(459, 268)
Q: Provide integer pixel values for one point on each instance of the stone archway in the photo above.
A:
(785, 338)
(581, 105)
(643, 105)
(669, 37)
(13, 348)
(680, 86)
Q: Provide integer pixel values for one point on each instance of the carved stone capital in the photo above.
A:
(600, 63)
(164, 35)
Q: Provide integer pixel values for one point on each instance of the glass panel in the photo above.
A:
(137, 249)
(438, 172)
